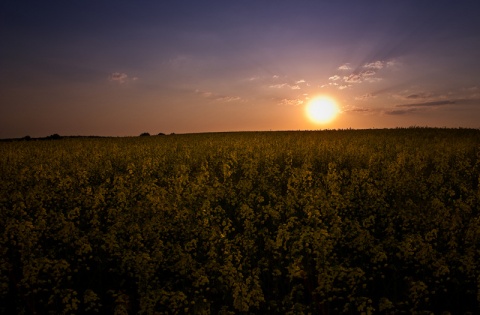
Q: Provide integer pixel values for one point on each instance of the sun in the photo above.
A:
(322, 109)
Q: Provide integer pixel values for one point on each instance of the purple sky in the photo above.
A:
(118, 68)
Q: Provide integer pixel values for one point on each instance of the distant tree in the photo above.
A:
(27, 138)
(55, 136)
(160, 134)
(145, 134)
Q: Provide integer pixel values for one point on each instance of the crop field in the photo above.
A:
(301, 222)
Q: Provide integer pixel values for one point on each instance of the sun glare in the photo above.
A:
(322, 110)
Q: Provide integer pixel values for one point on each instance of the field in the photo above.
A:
(320, 222)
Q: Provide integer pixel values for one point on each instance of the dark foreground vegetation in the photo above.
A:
(328, 222)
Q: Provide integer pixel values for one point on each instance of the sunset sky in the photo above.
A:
(120, 68)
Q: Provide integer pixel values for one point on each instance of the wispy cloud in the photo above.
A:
(404, 109)
(373, 79)
(471, 92)
(120, 78)
(285, 85)
(353, 78)
(368, 73)
(379, 64)
(329, 84)
(180, 61)
(291, 102)
(375, 65)
(278, 82)
(228, 98)
(418, 96)
(364, 97)
(357, 109)
(391, 63)
(204, 93)
(217, 97)
(428, 104)
(425, 98)
(345, 67)
(365, 73)
(400, 111)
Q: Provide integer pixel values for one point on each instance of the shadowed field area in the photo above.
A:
(320, 222)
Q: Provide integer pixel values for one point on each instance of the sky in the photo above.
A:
(121, 68)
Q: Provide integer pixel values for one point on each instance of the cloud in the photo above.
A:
(418, 96)
(278, 82)
(364, 97)
(373, 79)
(345, 66)
(228, 98)
(471, 92)
(291, 102)
(343, 87)
(284, 85)
(217, 97)
(375, 65)
(379, 64)
(428, 104)
(391, 63)
(358, 109)
(400, 111)
(329, 84)
(204, 94)
(180, 61)
(278, 86)
(361, 76)
(408, 108)
(353, 78)
(120, 78)
(368, 73)
(365, 73)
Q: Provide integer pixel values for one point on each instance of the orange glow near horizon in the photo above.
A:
(322, 109)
